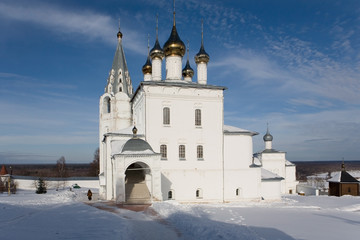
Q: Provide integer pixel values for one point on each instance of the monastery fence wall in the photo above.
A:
(307, 190)
(29, 183)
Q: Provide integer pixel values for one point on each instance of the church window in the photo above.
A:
(107, 106)
(200, 152)
(120, 89)
(238, 192)
(166, 116)
(171, 194)
(182, 151)
(199, 193)
(197, 117)
(163, 151)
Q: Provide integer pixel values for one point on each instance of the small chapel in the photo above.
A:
(166, 139)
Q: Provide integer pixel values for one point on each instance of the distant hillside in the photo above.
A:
(304, 169)
(49, 170)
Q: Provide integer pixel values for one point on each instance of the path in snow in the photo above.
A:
(63, 215)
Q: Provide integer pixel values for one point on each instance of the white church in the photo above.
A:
(167, 140)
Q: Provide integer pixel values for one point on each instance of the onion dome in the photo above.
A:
(147, 68)
(268, 136)
(157, 51)
(187, 71)
(174, 46)
(202, 56)
(119, 34)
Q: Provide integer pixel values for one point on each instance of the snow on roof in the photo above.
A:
(116, 146)
(288, 163)
(128, 131)
(131, 146)
(232, 129)
(343, 177)
(266, 175)
(257, 161)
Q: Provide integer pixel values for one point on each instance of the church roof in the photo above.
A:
(3, 171)
(181, 83)
(343, 177)
(137, 145)
(119, 77)
(266, 175)
(235, 130)
(271, 151)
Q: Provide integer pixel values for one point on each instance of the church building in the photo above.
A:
(168, 140)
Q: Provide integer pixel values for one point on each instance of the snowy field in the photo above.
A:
(63, 215)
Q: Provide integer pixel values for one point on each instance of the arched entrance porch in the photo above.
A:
(138, 183)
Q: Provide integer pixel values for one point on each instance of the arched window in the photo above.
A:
(107, 105)
(120, 89)
(197, 117)
(238, 192)
(199, 193)
(182, 152)
(166, 116)
(171, 195)
(163, 151)
(200, 152)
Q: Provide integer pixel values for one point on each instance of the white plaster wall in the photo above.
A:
(185, 176)
(182, 130)
(275, 162)
(173, 67)
(248, 180)
(271, 190)
(186, 182)
(147, 77)
(290, 180)
(156, 69)
(202, 73)
(238, 150)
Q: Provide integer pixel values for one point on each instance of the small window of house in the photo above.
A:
(107, 105)
(163, 151)
(200, 152)
(199, 193)
(182, 152)
(197, 117)
(166, 116)
(170, 195)
(238, 192)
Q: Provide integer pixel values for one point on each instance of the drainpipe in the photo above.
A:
(112, 177)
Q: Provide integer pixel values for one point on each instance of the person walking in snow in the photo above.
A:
(89, 194)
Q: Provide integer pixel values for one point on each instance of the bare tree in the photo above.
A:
(94, 165)
(61, 167)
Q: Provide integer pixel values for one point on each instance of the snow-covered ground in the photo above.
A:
(63, 215)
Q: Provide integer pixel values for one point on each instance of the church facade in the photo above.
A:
(168, 140)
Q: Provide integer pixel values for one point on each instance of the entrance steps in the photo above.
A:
(137, 193)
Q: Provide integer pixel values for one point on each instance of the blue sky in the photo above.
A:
(292, 64)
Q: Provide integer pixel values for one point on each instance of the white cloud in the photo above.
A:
(87, 24)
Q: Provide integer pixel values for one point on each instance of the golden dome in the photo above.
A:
(156, 51)
(187, 71)
(202, 56)
(174, 46)
(147, 68)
